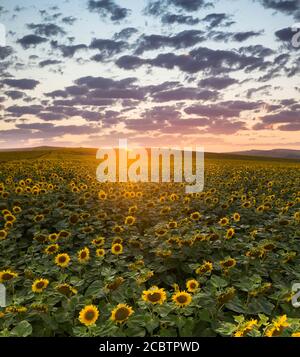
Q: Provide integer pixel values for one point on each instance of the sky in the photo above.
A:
(223, 75)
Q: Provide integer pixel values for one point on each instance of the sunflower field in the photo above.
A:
(83, 258)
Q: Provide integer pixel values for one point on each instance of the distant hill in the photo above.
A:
(275, 153)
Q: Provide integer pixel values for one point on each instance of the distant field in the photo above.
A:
(84, 258)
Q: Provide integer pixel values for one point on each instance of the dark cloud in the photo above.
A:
(233, 36)
(104, 83)
(56, 93)
(185, 93)
(69, 20)
(290, 120)
(183, 39)
(107, 48)
(200, 59)
(14, 94)
(68, 50)
(288, 7)
(49, 63)
(262, 90)
(217, 82)
(31, 40)
(108, 8)
(46, 29)
(5, 52)
(125, 34)
(21, 83)
(171, 19)
(228, 109)
(18, 111)
(220, 19)
(256, 50)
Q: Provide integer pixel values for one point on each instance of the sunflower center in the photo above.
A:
(7, 276)
(122, 314)
(40, 285)
(83, 255)
(62, 259)
(182, 299)
(154, 297)
(89, 315)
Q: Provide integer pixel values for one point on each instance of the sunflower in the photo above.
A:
(154, 295)
(51, 249)
(102, 195)
(83, 255)
(100, 252)
(117, 240)
(192, 285)
(223, 221)
(6, 275)
(39, 285)
(245, 328)
(230, 233)
(206, 267)
(228, 263)
(98, 242)
(121, 313)
(9, 218)
(66, 289)
(161, 232)
(62, 260)
(17, 209)
(172, 225)
(297, 216)
(195, 216)
(182, 298)
(3, 234)
(296, 334)
(118, 229)
(117, 248)
(130, 220)
(89, 315)
(39, 218)
(53, 237)
(236, 217)
(277, 326)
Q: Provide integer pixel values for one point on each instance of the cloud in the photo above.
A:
(68, 50)
(185, 93)
(21, 83)
(108, 8)
(263, 89)
(217, 82)
(49, 62)
(126, 33)
(31, 40)
(46, 29)
(5, 52)
(218, 19)
(290, 120)
(14, 94)
(183, 39)
(287, 7)
(171, 19)
(200, 59)
(107, 48)
(233, 36)
(69, 20)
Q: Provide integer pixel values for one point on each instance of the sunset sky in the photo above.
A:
(219, 74)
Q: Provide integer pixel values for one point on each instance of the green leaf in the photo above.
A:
(23, 329)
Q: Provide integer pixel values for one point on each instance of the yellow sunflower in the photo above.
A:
(100, 252)
(192, 285)
(223, 221)
(6, 275)
(206, 267)
(98, 242)
(230, 233)
(195, 216)
(228, 263)
(3, 234)
(182, 298)
(121, 313)
(51, 249)
(66, 289)
(89, 315)
(130, 220)
(39, 285)
(83, 255)
(236, 217)
(154, 295)
(62, 260)
(117, 249)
